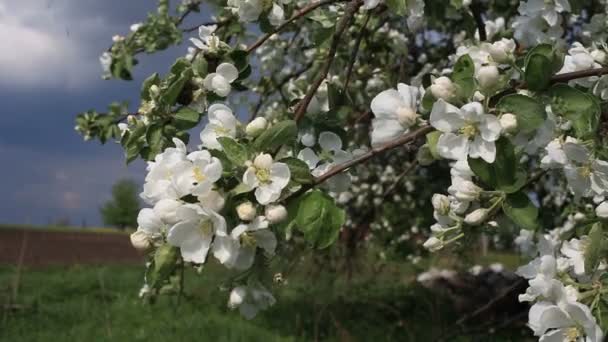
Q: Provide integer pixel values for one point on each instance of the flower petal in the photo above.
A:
(446, 117)
(482, 148)
(385, 104)
(453, 146)
(330, 141)
(309, 157)
(228, 71)
(490, 127)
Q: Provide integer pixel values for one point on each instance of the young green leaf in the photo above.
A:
(593, 252)
(580, 108)
(235, 152)
(300, 172)
(282, 133)
(521, 210)
(538, 72)
(530, 113)
(186, 118)
(319, 219)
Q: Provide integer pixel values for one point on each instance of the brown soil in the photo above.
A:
(35, 248)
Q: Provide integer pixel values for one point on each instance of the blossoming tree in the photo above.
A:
(318, 115)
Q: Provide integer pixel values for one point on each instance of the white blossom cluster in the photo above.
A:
(557, 282)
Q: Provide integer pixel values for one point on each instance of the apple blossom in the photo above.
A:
(267, 177)
(219, 81)
(222, 123)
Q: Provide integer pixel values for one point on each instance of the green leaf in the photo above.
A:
(504, 174)
(593, 252)
(300, 172)
(235, 152)
(432, 139)
(200, 66)
(538, 72)
(547, 50)
(319, 219)
(155, 140)
(463, 68)
(530, 113)
(165, 258)
(282, 133)
(580, 108)
(186, 118)
(521, 210)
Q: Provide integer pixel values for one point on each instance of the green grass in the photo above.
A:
(101, 304)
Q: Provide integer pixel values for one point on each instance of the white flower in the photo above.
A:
(541, 274)
(330, 155)
(256, 127)
(250, 300)
(443, 88)
(197, 175)
(525, 242)
(246, 211)
(106, 64)
(150, 223)
(267, 178)
(247, 10)
(275, 213)
(530, 31)
(487, 76)
(477, 216)
(195, 231)
(492, 28)
(135, 27)
(564, 321)
(574, 250)
(466, 131)
(207, 40)
(502, 51)
(508, 122)
(556, 157)
(370, 4)
(586, 175)
(578, 59)
(166, 210)
(159, 180)
(395, 112)
(547, 9)
(276, 15)
(222, 123)
(219, 81)
(238, 249)
(602, 210)
(212, 200)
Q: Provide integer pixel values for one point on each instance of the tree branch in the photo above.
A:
(477, 10)
(302, 12)
(349, 13)
(353, 56)
(374, 152)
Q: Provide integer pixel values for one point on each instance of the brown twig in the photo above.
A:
(349, 13)
(353, 56)
(302, 12)
(477, 10)
(374, 152)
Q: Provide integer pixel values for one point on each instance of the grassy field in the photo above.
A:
(101, 304)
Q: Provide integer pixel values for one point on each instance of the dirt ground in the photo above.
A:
(37, 248)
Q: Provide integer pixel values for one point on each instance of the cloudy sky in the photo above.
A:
(49, 72)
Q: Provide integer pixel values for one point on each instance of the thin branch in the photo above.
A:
(374, 152)
(353, 56)
(349, 13)
(477, 10)
(302, 12)
(561, 78)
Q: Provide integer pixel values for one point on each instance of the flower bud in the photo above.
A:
(579, 217)
(488, 76)
(443, 88)
(275, 213)
(154, 91)
(441, 203)
(263, 161)
(140, 241)
(256, 127)
(602, 210)
(465, 190)
(246, 211)
(508, 122)
(433, 244)
(476, 217)
(502, 50)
